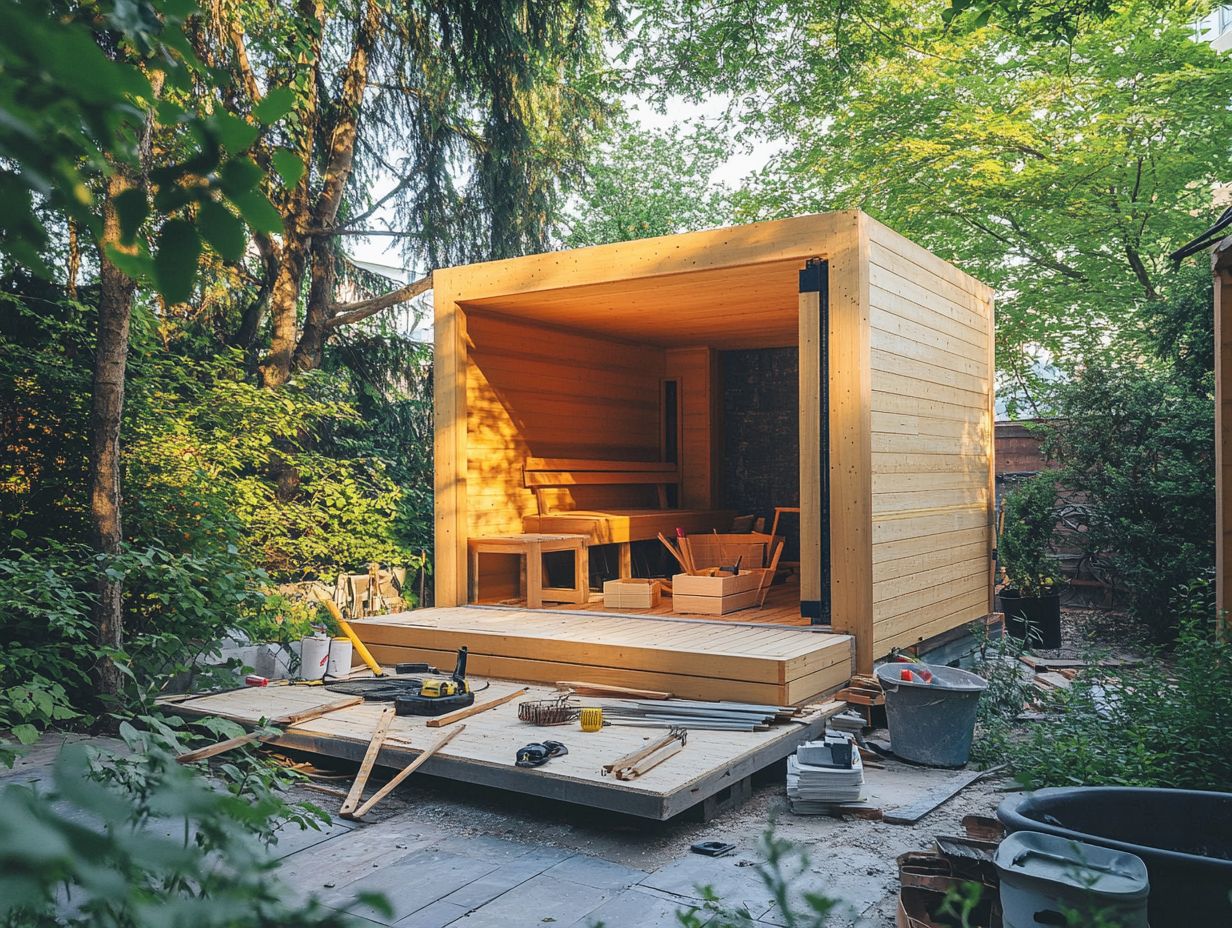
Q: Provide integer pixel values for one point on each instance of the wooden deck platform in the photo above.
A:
(711, 763)
(689, 657)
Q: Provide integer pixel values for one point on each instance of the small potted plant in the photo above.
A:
(1031, 598)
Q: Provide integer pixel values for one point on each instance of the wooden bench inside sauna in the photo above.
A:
(613, 502)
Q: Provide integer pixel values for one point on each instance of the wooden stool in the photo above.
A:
(533, 547)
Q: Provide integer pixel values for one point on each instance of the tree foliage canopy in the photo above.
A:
(640, 183)
(1061, 174)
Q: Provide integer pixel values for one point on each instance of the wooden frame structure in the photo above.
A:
(561, 355)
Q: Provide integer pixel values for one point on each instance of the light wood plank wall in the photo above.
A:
(931, 353)
(697, 370)
(535, 391)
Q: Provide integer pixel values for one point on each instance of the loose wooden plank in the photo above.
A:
(583, 688)
(284, 721)
(930, 799)
(407, 771)
(449, 718)
(306, 715)
(356, 791)
(221, 747)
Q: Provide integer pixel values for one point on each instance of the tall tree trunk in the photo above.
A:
(115, 306)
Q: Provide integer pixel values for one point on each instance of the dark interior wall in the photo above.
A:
(761, 434)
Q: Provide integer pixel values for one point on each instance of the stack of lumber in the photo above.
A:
(863, 690)
(816, 784)
(696, 714)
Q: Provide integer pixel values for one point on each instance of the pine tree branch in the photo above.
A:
(348, 313)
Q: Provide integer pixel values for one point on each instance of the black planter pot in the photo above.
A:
(1034, 619)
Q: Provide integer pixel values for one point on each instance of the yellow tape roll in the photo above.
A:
(591, 718)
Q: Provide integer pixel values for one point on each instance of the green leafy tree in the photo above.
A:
(1062, 175)
(1139, 442)
(90, 92)
(473, 112)
(641, 183)
(1043, 20)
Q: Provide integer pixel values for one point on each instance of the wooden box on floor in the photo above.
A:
(751, 549)
(715, 594)
(631, 593)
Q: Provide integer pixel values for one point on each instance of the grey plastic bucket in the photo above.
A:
(931, 723)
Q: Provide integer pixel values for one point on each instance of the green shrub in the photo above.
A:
(143, 842)
(1166, 722)
(1030, 525)
(1138, 442)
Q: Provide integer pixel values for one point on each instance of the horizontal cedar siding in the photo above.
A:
(931, 429)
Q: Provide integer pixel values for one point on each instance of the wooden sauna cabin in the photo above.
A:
(822, 362)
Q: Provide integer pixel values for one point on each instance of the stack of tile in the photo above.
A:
(825, 774)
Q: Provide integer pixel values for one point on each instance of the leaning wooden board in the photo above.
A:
(484, 753)
(695, 660)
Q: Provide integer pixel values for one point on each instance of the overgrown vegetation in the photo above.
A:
(1164, 722)
(130, 842)
(1030, 524)
(1138, 442)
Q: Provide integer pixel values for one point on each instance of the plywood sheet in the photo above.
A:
(484, 752)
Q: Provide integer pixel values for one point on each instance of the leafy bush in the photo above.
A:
(45, 646)
(1139, 443)
(141, 842)
(177, 608)
(1030, 524)
(204, 524)
(1166, 722)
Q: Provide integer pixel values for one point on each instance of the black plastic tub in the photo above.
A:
(1183, 836)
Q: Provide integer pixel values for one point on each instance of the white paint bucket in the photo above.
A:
(313, 656)
(340, 651)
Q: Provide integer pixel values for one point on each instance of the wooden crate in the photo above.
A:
(715, 594)
(752, 549)
(631, 593)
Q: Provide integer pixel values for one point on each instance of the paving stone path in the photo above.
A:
(490, 882)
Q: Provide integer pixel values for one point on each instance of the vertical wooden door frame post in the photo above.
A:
(815, 567)
(450, 445)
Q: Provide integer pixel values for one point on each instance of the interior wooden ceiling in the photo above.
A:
(751, 306)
